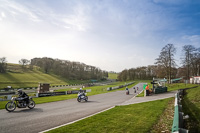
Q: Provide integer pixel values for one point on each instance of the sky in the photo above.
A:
(112, 35)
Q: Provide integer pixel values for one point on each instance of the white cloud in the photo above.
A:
(3, 14)
(112, 35)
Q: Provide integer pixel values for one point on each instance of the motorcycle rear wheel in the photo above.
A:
(31, 104)
(86, 98)
(10, 106)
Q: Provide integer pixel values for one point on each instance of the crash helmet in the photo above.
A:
(19, 91)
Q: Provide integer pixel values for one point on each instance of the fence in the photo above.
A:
(177, 126)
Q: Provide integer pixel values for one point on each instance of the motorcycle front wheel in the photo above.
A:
(79, 99)
(10, 106)
(31, 104)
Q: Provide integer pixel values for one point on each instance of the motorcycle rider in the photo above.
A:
(24, 96)
(127, 91)
(82, 96)
(81, 92)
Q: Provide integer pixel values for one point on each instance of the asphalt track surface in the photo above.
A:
(49, 115)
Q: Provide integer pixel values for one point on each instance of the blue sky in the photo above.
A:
(110, 34)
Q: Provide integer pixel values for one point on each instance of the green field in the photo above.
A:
(112, 75)
(137, 118)
(29, 79)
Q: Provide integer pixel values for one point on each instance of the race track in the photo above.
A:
(49, 115)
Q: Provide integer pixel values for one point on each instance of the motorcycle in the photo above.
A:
(20, 103)
(127, 92)
(82, 97)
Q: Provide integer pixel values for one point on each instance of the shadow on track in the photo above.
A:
(26, 110)
(90, 102)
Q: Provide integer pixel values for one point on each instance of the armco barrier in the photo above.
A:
(117, 87)
(177, 126)
(45, 94)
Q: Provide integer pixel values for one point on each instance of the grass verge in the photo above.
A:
(177, 86)
(137, 118)
(191, 107)
(164, 124)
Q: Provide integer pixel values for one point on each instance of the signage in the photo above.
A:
(45, 94)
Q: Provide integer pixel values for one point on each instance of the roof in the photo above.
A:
(177, 79)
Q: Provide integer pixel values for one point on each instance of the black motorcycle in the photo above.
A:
(20, 103)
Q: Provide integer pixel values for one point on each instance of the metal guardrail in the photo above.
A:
(121, 86)
(177, 126)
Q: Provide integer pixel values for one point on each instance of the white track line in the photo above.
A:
(76, 120)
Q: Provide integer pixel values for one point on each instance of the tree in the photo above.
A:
(166, 59)
(68, 69)
(123, 76)
(3, 65)
(47, 64)
(195, 62)
(24, 62)
(188, 51)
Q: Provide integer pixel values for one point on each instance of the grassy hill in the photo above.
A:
(18, 77)
(112, 75)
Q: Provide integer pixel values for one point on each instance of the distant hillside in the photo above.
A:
(112, 75)
(17, 77)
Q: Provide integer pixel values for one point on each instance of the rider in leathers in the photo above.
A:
(23, 95)
(81, 92)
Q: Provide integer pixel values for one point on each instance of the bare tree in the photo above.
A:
(3, 65)
(24, 62)
(195, 62)
(166, 59)
(188, 51)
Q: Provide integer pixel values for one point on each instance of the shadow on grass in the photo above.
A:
(190, 108)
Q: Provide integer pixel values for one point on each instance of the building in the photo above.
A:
(195, 80)
(43, 87)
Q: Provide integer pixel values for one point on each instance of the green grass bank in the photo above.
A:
(137, 118)
(191, 107)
